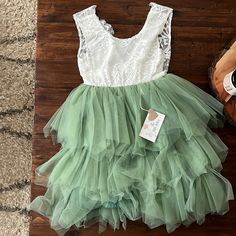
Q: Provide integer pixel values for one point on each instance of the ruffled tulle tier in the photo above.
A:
(106, 173)
(109, 119)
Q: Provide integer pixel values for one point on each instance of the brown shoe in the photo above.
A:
(224, 64)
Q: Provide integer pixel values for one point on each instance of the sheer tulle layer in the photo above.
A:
(105, 172)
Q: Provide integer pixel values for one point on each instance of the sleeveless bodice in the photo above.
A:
(105, 60)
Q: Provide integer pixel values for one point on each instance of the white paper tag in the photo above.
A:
(152, 125)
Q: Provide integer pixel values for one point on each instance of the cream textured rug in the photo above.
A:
(17, 73)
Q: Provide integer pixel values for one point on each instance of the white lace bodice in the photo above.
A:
(105, 60)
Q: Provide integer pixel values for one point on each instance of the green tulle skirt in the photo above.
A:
(105, 172)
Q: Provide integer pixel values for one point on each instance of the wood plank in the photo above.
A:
(200, 29)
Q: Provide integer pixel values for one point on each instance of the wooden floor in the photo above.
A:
(200, 30)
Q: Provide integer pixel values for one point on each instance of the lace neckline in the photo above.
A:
(111, 32)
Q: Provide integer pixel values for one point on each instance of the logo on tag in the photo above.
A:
(152, 125)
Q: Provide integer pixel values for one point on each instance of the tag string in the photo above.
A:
(141, 101)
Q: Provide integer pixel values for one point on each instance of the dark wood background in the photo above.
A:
(200, 30)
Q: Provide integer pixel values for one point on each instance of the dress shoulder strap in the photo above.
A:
(84, 23)
(161, 24)
(84, 13)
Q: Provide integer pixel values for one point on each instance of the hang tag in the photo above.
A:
(152, 125)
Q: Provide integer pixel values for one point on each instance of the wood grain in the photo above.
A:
(200, 30)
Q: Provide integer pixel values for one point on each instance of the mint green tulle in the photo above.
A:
(106, 173)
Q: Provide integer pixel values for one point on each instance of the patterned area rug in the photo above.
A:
(17, 81)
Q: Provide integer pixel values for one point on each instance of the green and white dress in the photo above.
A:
(105, 171)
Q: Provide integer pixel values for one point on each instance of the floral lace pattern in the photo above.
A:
(108, 27)
(82, 49)
(105, 60)
(165, 42)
